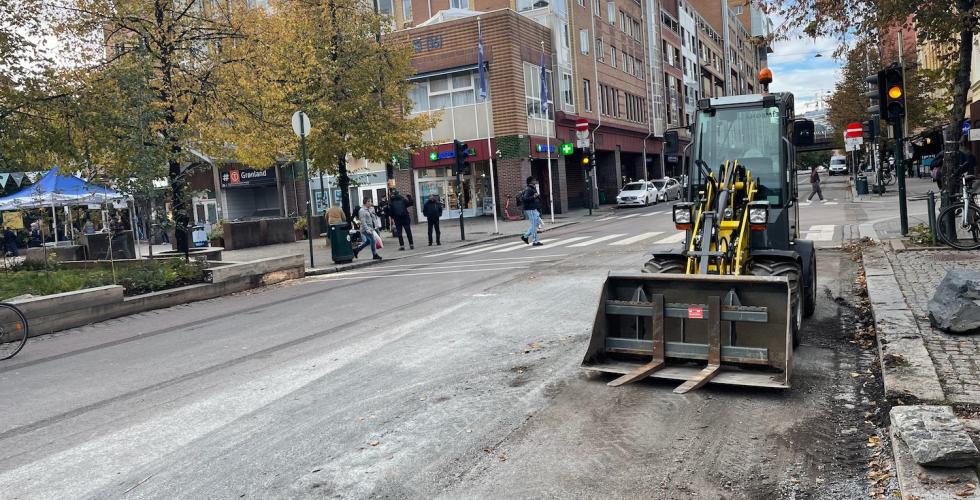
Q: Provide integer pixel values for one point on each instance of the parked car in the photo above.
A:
(838, 165)
(637, 193)
(667, 189)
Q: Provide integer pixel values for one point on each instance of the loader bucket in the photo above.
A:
(698, 328)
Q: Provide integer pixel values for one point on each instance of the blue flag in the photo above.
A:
(482, 66)
(544, 86)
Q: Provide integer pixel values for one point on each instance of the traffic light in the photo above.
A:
(586, 161)
(870, 129)
(592, 160)
(462, 152)
(893, 86)
(874, 93)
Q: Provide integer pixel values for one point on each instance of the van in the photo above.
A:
(838, 165)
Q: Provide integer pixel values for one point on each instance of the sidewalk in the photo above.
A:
(477, 230)
(925, 371)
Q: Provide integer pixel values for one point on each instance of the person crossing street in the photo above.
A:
(815, 185)
(398, 209)
(369, 228)
(531, 201)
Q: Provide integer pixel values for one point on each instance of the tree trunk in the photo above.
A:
(181, 241)
(953, 134)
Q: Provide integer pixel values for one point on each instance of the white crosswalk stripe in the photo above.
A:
(629, 216)
(558, 243)
(636, 239)
(597, 240)
(820, 232)
(469, 249)
(674, 238)
(651, 214)
(605, 219)
(522, 245)
(492, 247)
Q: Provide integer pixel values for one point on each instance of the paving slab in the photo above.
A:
(934, 436)
(930, 483)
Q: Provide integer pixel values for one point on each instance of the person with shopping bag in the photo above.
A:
(369, 229)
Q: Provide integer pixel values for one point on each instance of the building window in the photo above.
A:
(612, 56)
(407, 9)
(611, 7)
(625, 67)
(446, 91)
(600, 50)
(738, 10)
(596, 8)
(587, 94)
(566, 92)
(583, 41)
(622, 21)
(581, 3)
(532, 92)
(459, 4)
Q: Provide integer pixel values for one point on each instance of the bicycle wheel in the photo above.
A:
(13, 331)
(957, 233)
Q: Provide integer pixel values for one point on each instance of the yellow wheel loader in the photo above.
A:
(727, 306)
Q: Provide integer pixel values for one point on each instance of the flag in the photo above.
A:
(544, 85)
(481, 64)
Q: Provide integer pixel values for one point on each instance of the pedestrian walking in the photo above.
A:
(398, 208)
(815, 185)
(369, 229)
(531, 202)
(432, 210)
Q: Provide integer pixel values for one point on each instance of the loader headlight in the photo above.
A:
(759, 213)
(682, 213)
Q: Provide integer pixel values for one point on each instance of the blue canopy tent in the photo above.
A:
(57, 190)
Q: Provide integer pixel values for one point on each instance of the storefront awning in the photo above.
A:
(447, 71)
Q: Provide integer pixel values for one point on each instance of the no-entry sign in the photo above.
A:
(854, 130)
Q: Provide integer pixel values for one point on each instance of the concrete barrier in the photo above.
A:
(52, 313)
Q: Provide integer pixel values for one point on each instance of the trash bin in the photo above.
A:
(340, 247)
(861, 185)
(199, 237)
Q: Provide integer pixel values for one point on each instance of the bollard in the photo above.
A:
(931, 215)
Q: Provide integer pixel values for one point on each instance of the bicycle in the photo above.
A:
(959, 223)
(13, 330)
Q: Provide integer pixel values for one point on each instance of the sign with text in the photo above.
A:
(247, 177)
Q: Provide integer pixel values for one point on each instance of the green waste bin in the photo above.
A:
(340, 247)
(861, 184)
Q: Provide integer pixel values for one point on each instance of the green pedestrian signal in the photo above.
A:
(567, 149)
(433, 156)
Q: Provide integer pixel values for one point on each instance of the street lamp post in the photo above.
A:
(301, 125)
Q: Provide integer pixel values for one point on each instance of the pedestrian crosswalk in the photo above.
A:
(819, 233)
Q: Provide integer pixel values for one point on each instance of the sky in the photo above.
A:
(797, 69)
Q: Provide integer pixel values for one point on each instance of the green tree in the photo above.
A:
(330, 59)
(167, 53)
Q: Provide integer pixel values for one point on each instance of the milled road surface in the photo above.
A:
(453, 375)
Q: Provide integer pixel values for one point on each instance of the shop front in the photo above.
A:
(474, 193)
(250, 193)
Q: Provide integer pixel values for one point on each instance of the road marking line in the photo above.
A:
(822, 232)
(557, 243)
(375, 276)
(386, 265)
(447, 265)
(674, 238)
(629, 216)
(597, 240)
(658, 212)
(511, 249)
(636, 239)
(493, 247)
(451, 252)
(606, 218)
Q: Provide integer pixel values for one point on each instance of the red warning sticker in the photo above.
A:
(695, 312)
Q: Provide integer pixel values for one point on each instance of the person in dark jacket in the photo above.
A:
(398, 209)
(432, 210)
(10, 242)
(815, 185)
(531, 201)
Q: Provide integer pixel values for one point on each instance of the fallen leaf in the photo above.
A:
(855, 374)
(374, 442)
(965, 492)
(874, 441)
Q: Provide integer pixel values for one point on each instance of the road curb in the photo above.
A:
(357, 265)
(907, 370)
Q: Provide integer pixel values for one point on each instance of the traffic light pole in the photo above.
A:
(903, 211)
(459, 199)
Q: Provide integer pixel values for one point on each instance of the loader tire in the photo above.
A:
(792, 271)
(810, 294)
(664, 266)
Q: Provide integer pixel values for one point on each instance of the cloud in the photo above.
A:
(805, 81)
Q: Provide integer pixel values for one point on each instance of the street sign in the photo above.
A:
(854, 130)
(581, 125)
(582, 143)
(966, 127)
(581, 133)
(301, 124)
(975, 134)
(853, 143)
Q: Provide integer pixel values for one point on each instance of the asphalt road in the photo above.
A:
(452, 375)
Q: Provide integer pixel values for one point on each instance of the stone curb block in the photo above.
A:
(907, 369)
(927, 483)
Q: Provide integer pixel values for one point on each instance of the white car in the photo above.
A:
(838, 165)
(638, 193)
(667, 189)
